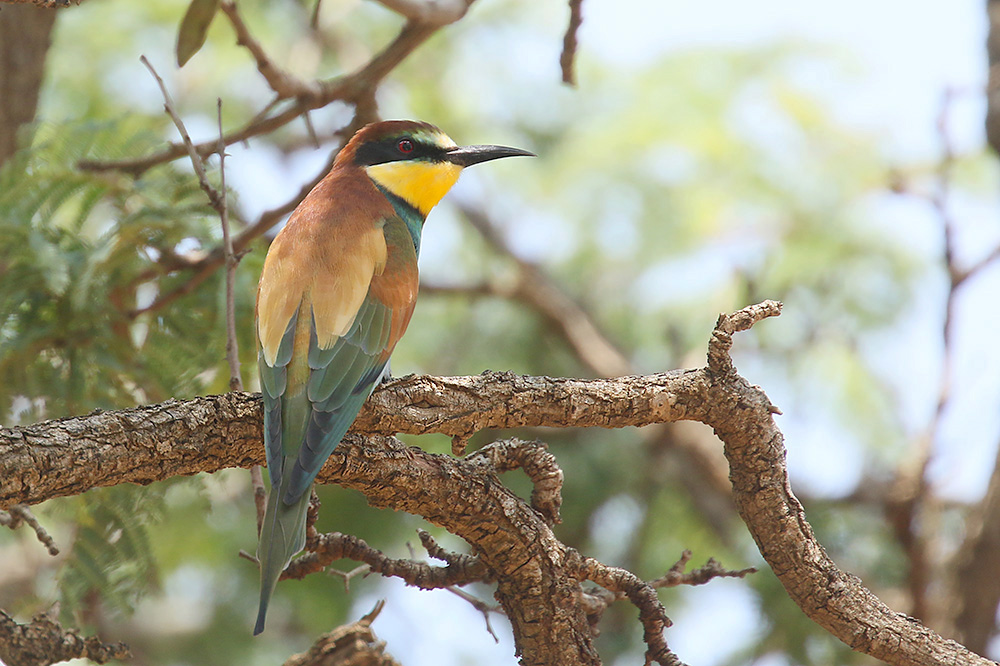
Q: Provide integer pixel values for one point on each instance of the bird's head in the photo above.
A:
(415, 161)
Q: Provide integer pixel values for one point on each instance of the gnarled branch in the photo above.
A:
(43, 641)
(538, 577)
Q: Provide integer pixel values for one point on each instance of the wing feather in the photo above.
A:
(341, 379)
(273, 384)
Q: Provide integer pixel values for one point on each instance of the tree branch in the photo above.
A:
(25, 37)
(568, 56)
(43, 641)
(282, 82)
(356, 88)
(154, 442)
(834, 599)
(19, 515)
(538, 577)
(327, 548)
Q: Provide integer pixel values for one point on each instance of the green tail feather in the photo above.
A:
(282, 535)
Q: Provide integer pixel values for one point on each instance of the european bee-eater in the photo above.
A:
(336, 293)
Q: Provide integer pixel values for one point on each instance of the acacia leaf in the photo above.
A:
(194, 28)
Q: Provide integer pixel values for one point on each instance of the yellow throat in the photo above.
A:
(421, 184)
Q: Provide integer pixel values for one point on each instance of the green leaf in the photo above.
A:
(194, 28)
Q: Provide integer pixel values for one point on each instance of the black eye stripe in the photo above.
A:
(390, 149)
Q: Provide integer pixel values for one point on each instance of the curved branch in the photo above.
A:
(540, 466)
(834, 599)
(643, 596)
(154, 442)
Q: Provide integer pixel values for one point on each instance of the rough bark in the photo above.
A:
(25, 36)
(154, 442)
(836, 600)
(538, 583)
(351, 645)
(542, 576)
(43, 641)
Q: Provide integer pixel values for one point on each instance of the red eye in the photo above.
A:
(405, 146)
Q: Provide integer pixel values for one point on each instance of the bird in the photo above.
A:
(336, 293)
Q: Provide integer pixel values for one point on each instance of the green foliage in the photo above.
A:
(80, 264)
(111, 558)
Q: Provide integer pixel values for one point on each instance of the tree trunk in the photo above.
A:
(25, 37)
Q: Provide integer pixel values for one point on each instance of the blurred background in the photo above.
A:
(712, 154)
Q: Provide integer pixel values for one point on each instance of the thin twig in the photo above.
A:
(196, 159)
(232, 343)
(327, 548)
(20, 514)
(361, 570)
(232, 261)
(703, 574)
(480, 606)
(218, 200)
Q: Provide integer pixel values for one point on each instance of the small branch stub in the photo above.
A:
(722, 337)
(353, 644)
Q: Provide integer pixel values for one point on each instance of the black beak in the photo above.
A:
(465, 156)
